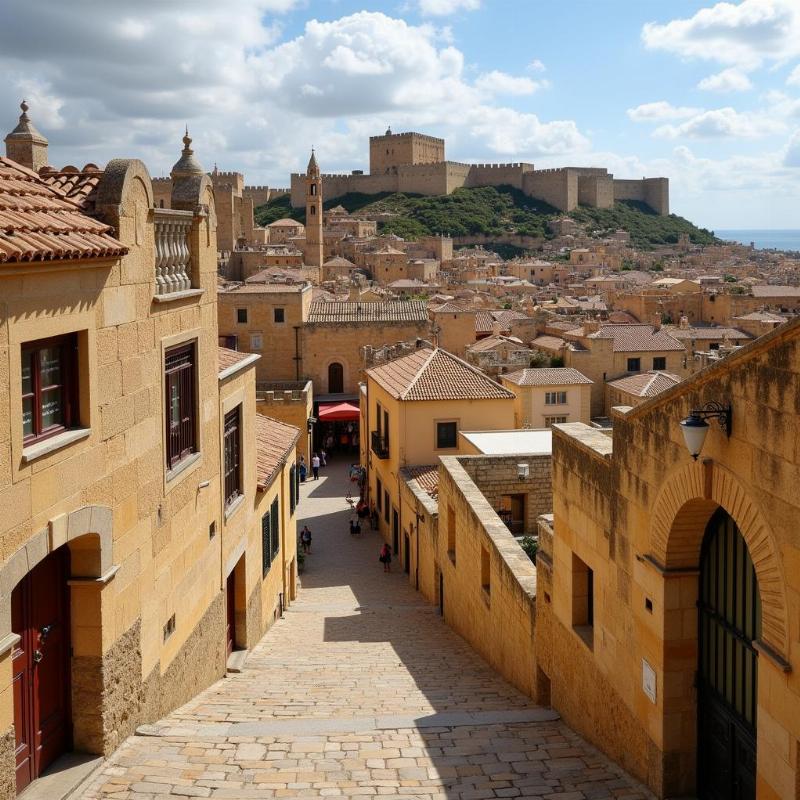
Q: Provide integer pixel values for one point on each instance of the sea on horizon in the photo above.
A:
(764, 239)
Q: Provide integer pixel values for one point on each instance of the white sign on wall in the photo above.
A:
(648, 681)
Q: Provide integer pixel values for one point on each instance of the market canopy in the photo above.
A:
(338, 412)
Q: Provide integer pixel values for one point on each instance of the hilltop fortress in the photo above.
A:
(415, 164)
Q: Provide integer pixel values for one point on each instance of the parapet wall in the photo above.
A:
(258, 194)
(498, 174)
(596, 191)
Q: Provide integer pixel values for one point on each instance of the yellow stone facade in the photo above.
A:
(634, 511)
(151, 547)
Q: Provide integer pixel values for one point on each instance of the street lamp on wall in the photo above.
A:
(695, 427)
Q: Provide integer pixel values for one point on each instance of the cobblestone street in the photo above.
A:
(359, 690)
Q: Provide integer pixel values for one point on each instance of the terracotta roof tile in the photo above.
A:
(230, 358)
(491, 342)
(707, 333)
(427, 477)
(484, 322)
(775, 291)
(428, 374)
(274, 443)
(548, 342)
(634, 338)
(354, 311)
(547, 376)
(39, 223)
(646, 384)
(78, 185)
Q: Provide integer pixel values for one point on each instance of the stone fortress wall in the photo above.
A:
(404, 163)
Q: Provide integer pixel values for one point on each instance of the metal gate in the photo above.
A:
(728, 623)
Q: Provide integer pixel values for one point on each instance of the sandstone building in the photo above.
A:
(415, 163)
(148, 511)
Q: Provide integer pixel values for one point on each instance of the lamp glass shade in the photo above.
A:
(694, 434)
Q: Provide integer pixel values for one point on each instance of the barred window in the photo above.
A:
(266, 549)
(231, 449)
(179, 366)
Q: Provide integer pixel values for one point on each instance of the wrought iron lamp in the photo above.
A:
(695, 427)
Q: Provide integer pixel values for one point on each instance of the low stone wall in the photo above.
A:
(489, 582)
(8, 765)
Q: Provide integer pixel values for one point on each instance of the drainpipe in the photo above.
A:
(283, 534)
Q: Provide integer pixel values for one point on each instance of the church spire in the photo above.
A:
(312, 169)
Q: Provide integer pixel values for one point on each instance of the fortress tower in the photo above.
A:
(313, 248)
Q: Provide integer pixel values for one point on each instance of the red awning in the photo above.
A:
(338, 412)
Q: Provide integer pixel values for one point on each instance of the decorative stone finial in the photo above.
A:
(24, 106)
(187, 165)
(312, 164)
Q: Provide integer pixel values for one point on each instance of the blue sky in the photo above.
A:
(705, 93)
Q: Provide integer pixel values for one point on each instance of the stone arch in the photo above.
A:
(87, 531)
(335, 376)
(681, 512)
(117, 178)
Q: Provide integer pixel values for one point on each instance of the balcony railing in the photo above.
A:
(380, 445)
(173, 256)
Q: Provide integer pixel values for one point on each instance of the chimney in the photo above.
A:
(684, 323)
(591, 326)
(25, 144)
(657, 322)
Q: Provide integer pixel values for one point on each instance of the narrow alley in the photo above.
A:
(359, 690)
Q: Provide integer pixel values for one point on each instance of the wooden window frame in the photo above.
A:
(70, 411)
(662, 362)
(275, 530)
(438, 424)
(232, 455)
(266, 550)
(279, 312)
(637, 360)
(241, 312)
(183, 443)
(555, 398)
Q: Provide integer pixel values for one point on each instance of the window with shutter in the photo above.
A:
(275, 531)
(266, 549)
(292, 490)
(232, 447)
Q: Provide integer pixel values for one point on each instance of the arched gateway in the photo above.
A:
(729, 621)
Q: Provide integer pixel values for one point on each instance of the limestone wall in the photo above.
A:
(596, 191)
(653, 191)
(636, 513)
(559, 187)
(258, 194)
(498, 174)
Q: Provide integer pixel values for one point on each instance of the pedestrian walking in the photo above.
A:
(323, 457)
(305, 539)
(315, 466)
(386, 558)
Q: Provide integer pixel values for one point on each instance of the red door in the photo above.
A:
(40, 663)
(230, 612)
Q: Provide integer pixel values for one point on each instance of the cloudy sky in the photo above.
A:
(706, 94)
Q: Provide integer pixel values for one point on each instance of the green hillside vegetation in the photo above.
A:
(495, 211)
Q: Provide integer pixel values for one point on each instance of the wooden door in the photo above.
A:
(230, 612)
(40, 663)
(406, 553)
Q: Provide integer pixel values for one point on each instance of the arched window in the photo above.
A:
(335, 378)
(313, 189)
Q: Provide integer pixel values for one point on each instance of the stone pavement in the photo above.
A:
(359, 690)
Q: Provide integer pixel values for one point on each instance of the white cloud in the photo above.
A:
(794, 77)
(722, 123)
(729, 80)
(746, 34)
(441, 8)
(791, 157)
(496, 82)
(660, 110)
(536, 66)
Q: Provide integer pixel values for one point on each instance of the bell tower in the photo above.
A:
(313, 254)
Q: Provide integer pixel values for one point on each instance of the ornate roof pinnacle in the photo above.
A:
(187, 165)
(25, 129)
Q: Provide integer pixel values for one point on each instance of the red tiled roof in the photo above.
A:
(547, 376)
(230, 358)
(39, 223)
(775, 291)
(548, 342)
(703, 333)
(78, 185)
(274, 443)
(428, 374)
(427, 477)
(646, 384)
(484, 322)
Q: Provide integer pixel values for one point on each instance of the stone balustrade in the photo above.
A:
(173, 255)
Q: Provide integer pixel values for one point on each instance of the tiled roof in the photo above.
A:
(354, 311)
(548, 342)
(707, 333)
(263, 288)
(285, 223)
(231, 358)
(547, 376)
(776, 291)
(506, 316)
(428, 374)
(634, 338)
(484, 322)
(452, 307)
(427, 477)
(338, 261)
(762, 316)
(78, 185)
(38, 223)
(490, 342)
(274, 442)
(646, 384)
